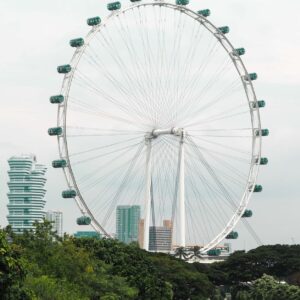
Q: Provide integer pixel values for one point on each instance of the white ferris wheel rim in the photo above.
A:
(250, 95)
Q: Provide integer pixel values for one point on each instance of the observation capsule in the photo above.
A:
(114, 6)
(233, 235)
(224, 29)
(214, 252)
(262, 132)
(61, 163)
(93, 21)
(250, 77)
(259, 104)
(239, 51)
(69, 194)
(64, 69)
(182, 2)
(258, 188)
(262, 161)
(204, 12)
(84, 220)
(57, 99)
(55, 131)
(77, 42)
(265, 132)
(247, 213)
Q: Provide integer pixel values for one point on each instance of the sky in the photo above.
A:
(34, 40)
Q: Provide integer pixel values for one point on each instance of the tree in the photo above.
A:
(243, 295)
(130, 262)
(281, 261)
(186, 281)
(47, 288)
(195, 252)
(12, 271)
(181, 253)
(87, 268)
(57, 268)
(268, 288)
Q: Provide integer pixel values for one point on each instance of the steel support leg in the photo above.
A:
(181, 196)
(147, 195)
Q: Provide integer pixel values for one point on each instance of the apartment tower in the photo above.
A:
(26, 192)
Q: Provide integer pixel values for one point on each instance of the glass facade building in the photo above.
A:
(26, 192)
(56, 218)
(127, 223)
(160, 237)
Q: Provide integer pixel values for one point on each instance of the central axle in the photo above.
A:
(174, 131)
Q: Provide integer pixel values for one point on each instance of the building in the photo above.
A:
(160, 237)
(127, 223)
(87, 234)
(141, 233)
(56, 218)
(26, 192)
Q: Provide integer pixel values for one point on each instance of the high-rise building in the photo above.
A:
(141, 233)
(26, 192)
(127, 223)
(160, 237)
(56, 218)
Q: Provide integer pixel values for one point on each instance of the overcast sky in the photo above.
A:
(34, 40)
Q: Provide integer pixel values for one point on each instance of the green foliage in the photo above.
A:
(38, 265)
(156, 276)
(12, 271)
(267, 288)
(60, 270)
(180, 253)
(104, 269)
(132, 263)
(46, 288)
(186, 281)
(281, 261)
(243, 295)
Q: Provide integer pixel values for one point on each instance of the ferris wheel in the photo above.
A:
(158, 110)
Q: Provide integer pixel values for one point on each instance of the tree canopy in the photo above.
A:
(39, 265)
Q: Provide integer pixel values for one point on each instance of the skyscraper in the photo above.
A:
(26, 192)
(160, 237)
(127, 223)
(56, 218)
(141, 233)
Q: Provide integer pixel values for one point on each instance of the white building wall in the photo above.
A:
(26, 192)
(56, 218)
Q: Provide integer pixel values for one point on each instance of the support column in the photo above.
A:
(147, 194)
(181, 194)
